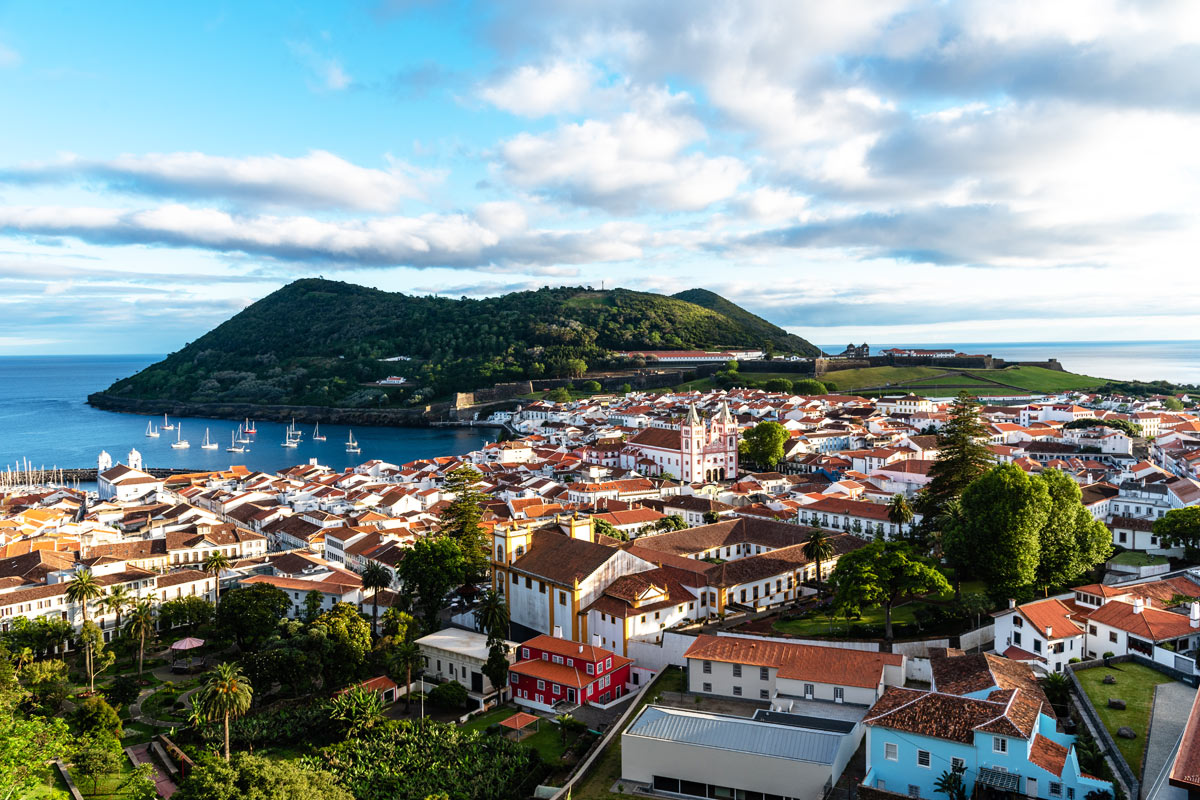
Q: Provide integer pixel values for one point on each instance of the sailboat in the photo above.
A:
(151, 431)
(234, 447)
(167, 426)
(180, 443)
(208, 444)
(292, 438)
(249, 428)
(317, 435)
(242, 437)
(351, 445)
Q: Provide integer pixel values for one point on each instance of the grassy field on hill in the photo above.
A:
(933, 381)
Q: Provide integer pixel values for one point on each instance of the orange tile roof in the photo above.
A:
(798, 661)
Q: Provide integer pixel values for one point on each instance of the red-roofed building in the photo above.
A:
(551, 671)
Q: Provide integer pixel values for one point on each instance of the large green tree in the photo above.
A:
(258, 777)
(963, 456)
(1179, 527)
(1071, 540)
(461, 521)
(1003, 514)
(883, 574)
(763, 444)
(250, 614)
(430, 569)
(96, 755)
(347, 636)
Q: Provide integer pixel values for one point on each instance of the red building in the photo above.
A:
(550, 671)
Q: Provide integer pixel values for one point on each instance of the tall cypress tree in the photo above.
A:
(963, 456)
(461, 520)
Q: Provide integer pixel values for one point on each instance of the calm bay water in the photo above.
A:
(1175, 361)
(44, 417)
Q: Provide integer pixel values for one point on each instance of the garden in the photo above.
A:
(1133, 686)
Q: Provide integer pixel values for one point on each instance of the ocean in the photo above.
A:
(44, 417)
(1177, 361)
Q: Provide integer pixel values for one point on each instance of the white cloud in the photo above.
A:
(533, 91)
(328, 70)
(640, 160)
(318, 179)
(432, 240)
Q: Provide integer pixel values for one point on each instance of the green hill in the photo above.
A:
(750, 322)
(317, 342)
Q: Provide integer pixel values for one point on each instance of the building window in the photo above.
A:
(839, 694)
(591, 669)
(541, 685)
(707, 687)
(737, 670)
(707, 668)
(737, 691)
(891, 751)
(914, 791)
(1016, 637)
(957, 763)
(1018, 622)
(541, 587)
(562, 598)
(1070, 793)
(922, 758)
(763, 694)
(1055, 789)
(524, 652)
(999, 744)
(516, 578)
(1092, 630)
(1037, 645)
(1112, 636)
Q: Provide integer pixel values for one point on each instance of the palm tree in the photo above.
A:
(818, 548)
(375, 577)
(140, 626)
(899, 512)
(214, 563)
(83, 588)
(116, 601)
(403, 659)
(491, 615)
(226, 693)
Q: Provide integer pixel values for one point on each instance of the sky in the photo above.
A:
(865, 170)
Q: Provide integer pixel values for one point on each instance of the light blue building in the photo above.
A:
(1003, 733)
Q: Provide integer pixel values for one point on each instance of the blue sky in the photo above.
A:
(880, 170)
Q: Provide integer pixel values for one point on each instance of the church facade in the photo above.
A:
(697, 451)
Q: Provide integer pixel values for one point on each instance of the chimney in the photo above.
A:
(595, 640)
(558, 632)
(1049, 633)
(1137, 605)
(1012, 603)
(1194, 616)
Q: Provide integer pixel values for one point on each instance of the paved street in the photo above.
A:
(1172, 704)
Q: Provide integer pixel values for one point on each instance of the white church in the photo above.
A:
(698, 450)
(124, 482)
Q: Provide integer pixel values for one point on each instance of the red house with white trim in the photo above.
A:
(550, 671)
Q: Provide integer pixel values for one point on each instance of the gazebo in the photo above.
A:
(519, 722)
(182, 650)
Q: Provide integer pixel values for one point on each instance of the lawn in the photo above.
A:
(848, 379)
(546, 740)
(52, 787)
(1039, 379)
(952, 380)
(607, 768)
(108, 786)
(1135, 685)
(1132, 558)
(819, 624)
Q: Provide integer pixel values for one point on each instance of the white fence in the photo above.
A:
(980, 637)
(1172, 660)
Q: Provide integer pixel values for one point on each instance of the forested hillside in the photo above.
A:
(318, 342)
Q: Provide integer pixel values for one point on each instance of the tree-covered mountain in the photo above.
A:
(750, 322)
(320, 342)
